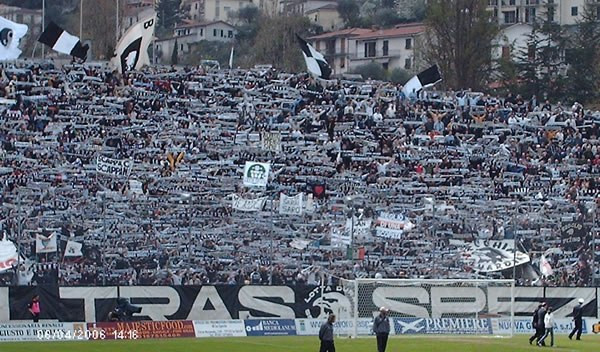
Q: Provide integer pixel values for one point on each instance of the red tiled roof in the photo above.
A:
(402, 30)
(341, 33)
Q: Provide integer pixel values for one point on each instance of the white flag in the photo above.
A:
(256, 174)
(73, 249)
(545, 267)
(8, 254)
(291, 205)
(340, 238)
(242, 204)
(10, 35)
(132, 50)
(45, 244)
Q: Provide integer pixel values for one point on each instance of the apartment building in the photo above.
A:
(563, 12)
(393, 48)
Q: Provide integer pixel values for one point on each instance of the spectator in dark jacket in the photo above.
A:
(326, 335)
(578, 319)
(381, 328)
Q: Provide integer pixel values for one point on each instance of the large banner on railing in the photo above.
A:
(159, 303)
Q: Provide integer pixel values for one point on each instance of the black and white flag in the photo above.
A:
(10, 35)
(315, 62)
(132, 50)
(425, 79)
(63, 42)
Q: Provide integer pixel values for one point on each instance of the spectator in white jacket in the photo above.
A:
(549, 323)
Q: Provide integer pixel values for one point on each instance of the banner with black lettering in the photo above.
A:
(225, 302)
(113, 167)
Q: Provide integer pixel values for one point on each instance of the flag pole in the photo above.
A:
(81, 20)
(117, 22)
(43, 24)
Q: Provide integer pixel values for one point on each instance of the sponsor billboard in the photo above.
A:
(270, 327)
(219, 328)
(310, 327)
(455, 326)
(134, 330)
(52, 331)
(501, 326)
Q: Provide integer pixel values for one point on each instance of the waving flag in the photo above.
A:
(10, 35)
(73, 249)
(425, 79)
(45, 244)
(315, 62)
(132, 50)
(545, 267)
(63, 42)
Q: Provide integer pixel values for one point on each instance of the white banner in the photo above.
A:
(392, 225)
(135, 187)
(256, 174)
(54, 331)
(45, 244)
(113, 167)
(340, 238)
(501, 326)
(271, 141)
(360, 226)
(310, 327)
(299, 243)
(239, 203)
(219, 328)
(291, 205)
(8, 254)
(490, 256)
(73, 249)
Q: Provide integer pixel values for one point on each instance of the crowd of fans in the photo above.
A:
(462, 166)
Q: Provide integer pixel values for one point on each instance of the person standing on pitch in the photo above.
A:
(534, 323)
(549, 323)
(578, 319)
(381, 328)
(326, 335)
(34, 308)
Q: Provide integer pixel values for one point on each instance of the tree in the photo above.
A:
(175, 54)
(275, 43)
(169, 13)
(540, 63)
(583, 57)
(399, 76)
(349, 12)
(372, 70)
(459, 39)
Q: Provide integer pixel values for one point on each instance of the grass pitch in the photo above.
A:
(309, 344)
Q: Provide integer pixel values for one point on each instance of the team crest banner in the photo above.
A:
(256, 174)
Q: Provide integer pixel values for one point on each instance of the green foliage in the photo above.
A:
(169, 14)
(399, 76)
(175, 54)
(371, 70)
(210, 50)
(349, 12)
(583, 58)
(459, 39)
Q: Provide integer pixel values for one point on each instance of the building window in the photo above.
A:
(202, 32)
(506, 52)
(408, 44)
(510, 17)
(181, 47)
(196, 6)
(531, 52)
(385, 65)
(385, 48)
(230, 34)
(550, 14)
(342, 62)
(370, 49)
(407, 63)
(214, 32)
(222, 33)
(574, 11)
(530, 14)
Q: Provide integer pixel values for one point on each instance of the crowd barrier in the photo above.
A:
(57, 331)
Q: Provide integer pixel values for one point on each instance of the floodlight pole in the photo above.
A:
(43, 25)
